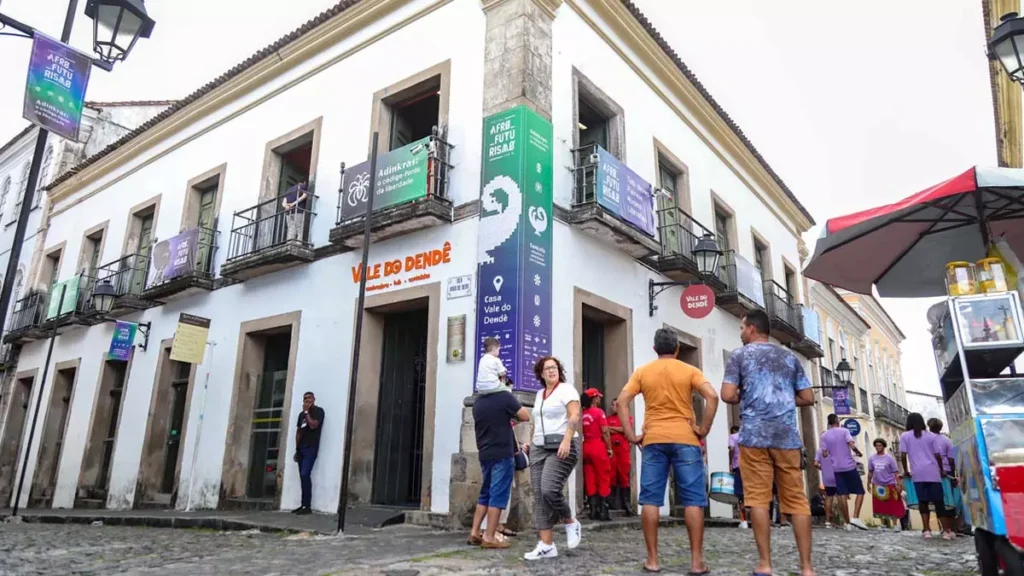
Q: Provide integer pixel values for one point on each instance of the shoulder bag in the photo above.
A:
(551, 441)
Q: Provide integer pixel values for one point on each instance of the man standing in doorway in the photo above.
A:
(836, 445)
(768, 383)
(307, 445)
(294, 205)
(671, 441)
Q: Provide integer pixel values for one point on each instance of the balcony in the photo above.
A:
(828, 379)
(127, 275)
(612, 204)
(35, 316)
(266, 238)
(182, 266)
(679, 234)
(411, 193)
(783, 313)
(808, 345)
(863, 406)
(891, 412)
(738, 287)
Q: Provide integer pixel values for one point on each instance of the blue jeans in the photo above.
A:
(307, 456)
(687, 467)
(496, 487)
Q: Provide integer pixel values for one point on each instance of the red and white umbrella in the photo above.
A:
(902, 248)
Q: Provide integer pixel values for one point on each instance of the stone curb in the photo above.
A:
(165, 522)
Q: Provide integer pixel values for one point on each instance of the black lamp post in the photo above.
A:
(1007, 45)
(844, 371)
(116, 26)
(122, 23)
(706, 254)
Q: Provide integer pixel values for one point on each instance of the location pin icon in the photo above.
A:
(498, 280)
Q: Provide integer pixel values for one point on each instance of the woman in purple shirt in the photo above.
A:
(944, 448)
(917, 445)
(885, 492)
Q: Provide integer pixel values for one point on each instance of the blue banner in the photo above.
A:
(623, 193)
(122, 341)
(515, 241)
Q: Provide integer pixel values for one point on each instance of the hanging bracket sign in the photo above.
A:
(55, 89)
(697, 301)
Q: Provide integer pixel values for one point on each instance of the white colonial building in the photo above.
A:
(581, 104)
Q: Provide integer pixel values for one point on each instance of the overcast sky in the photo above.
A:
(855, 104)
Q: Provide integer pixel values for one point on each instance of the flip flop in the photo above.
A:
(509, 533)
(475, 541)
(760, 574)
(703, 572)
(646, 569)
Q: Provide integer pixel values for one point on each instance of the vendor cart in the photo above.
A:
(905, 250)
(976, 340)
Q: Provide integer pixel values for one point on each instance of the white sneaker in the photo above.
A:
(744, 525)
(858, 523)
(829, 526)
(896, 528)
(927, 534)
(573, 534)
(542, 551)
(848, 527)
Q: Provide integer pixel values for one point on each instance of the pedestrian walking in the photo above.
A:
(917, 448)
(597, 452)
(555, 452)
(737, 478)
(883, 477)
(622, 494)
(307, 445)
(828, 482)
(768, 383)
(837, 445)
(944, 448)
(671, 442)
(496, 448)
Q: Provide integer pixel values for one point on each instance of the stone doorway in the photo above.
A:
(51, 444)
(94, 478)
(13, 433)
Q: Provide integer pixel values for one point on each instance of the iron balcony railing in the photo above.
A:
(828, 379)
(679, 233)
(269, 225)
(198, 260)
(779, 304)
(585, 165)
(886, 409)
(28, 311)
(740, 277)
(811, 324)
(126, 274)
(439, 166)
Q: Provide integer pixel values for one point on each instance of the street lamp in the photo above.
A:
(706, 253)
(116, 26)
(103, 297)
(844, 370)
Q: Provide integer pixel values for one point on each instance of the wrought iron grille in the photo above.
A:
(269, 225)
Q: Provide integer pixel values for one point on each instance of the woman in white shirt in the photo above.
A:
(555, 452)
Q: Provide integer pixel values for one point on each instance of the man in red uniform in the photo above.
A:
(621, 494)
(597, 451)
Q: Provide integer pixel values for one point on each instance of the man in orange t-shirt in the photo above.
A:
(671, 440)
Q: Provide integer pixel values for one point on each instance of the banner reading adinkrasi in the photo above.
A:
(401, 177)
(55, 90)
(514, 241)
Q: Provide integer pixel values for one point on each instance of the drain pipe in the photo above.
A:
(199, 427)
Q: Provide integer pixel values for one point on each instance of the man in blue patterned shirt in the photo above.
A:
(769, 383)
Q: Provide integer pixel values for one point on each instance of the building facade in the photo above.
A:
(194, 213)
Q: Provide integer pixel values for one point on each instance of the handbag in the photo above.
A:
(522, 462)
(551, 441)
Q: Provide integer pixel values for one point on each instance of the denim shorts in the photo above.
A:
(687, 467)
(496, 487)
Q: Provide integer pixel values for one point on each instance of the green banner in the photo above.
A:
(70, 288)
(401, 177)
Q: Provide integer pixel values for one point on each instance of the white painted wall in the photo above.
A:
(323, 291)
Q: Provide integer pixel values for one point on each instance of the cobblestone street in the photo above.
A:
(63, 549)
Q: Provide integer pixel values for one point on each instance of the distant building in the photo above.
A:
(928, 405)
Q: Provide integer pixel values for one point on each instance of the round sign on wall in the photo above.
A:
(697, 301)
(852, 425)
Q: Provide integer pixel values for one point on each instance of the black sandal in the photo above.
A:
(509, 533)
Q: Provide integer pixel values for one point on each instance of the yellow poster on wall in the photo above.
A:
(190, 339)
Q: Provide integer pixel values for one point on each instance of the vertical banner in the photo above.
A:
(55, 90)
(840, 401)
(515, 241)
(122, 340)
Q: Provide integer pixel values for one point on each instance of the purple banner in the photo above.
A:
(55, 90)
(623, 193)
(840, 401)
(173, 257)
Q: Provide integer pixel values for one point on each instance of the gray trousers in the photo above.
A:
(548, 475)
